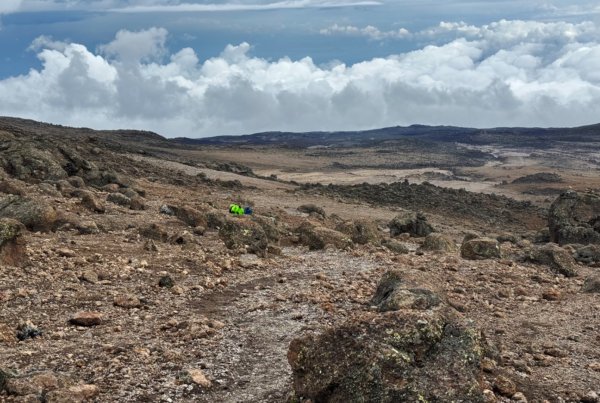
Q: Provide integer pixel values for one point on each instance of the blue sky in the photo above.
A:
(200, 68)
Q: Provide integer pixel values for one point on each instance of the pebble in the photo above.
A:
(87, 319)
(89, 276)
(504, 386)
(199, 378)
(127, 301)
(551, 294)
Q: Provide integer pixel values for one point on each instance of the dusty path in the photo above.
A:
(271, 308)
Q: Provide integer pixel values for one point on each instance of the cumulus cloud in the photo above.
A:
(502, 74)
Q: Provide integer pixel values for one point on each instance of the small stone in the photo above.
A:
(556, 352)
(199, 378)
(590, 397)
(166, 281)
(150, 246)
(74, 394)
(504, 386)
(591, 284)
(177, 290)
(64, 252)
(519, 397)
(86, 319)
(89, 276)
(488, 365)
(127, 301)
(489, 396)
(551, 294)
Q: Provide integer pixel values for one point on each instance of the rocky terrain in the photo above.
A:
(124, 278)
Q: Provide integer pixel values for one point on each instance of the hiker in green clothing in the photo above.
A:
(239, 210)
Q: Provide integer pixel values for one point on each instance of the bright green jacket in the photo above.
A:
(235, 209)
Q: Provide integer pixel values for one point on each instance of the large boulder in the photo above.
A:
(408, 222)
(575, 218)
(480, 248)
(361, 231)
(29, 163)
(242, 233)
(12, 244)
(316, 237)
(397, 356)
(553, 256)
(35, 214)
(439, 243)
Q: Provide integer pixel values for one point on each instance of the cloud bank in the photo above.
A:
(503, 74)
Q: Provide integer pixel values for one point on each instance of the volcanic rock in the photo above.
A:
(393, 294)
(480, 248)
(241, 233)
(399, 356)
(575, 218)
(439, 242)
(316, 237)
(12, 244)
(35, 214)
(408, 222)
(361, 232)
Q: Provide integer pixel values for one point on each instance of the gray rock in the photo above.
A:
(414, 224)
(480, 248)
(575, 218)
(439, 242)
(119, 198)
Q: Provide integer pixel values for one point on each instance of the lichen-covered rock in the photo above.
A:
(119, 198)
(395, 246)
(575, 218)
(480, 248)
(30, 163)
(269, 225)
(393, 294)
(361, 231)
(408, 222)
(399, 356)
(588, 254)
(12, 187)
(554, 257)
(35, 214)
(316, 237)
(238, 233)
(591, 284)
(439, 242)
(12, 245)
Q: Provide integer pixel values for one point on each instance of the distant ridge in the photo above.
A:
(525, 136)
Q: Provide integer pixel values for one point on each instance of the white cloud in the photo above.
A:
(369, 31)
(137, 46)
(9, 6)
(502, 74)
(243, 6)
(161, 6)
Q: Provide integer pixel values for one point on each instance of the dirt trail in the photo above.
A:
(270, 309)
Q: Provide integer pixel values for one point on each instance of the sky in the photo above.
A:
(222, 67)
